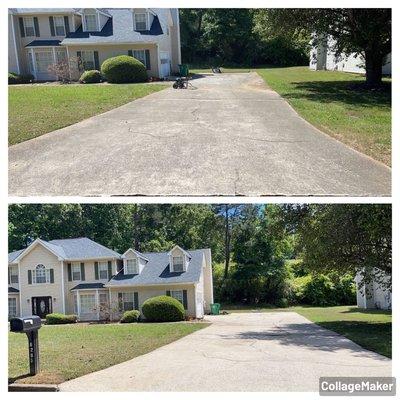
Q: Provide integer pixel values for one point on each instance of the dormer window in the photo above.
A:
(140, 21)
(90, 22)
(132, 267)
(177, 264)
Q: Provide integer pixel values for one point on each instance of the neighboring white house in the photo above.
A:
(41, 37)
(322, 58)
(373, 295)
(82, 277)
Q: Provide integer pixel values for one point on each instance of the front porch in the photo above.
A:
(91, 302)
(41, 55)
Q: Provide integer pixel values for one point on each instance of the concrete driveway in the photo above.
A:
(279, 351)
(229, 135)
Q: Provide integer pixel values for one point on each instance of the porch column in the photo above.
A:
(78, 303)
(97, 304)
(54, 55)
(33, 62)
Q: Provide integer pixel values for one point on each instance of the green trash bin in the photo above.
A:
(215, 308)
(183, 70)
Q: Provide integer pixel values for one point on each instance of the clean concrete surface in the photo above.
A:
(277, 351)
(228, 135)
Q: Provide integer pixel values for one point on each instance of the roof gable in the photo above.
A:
(68, 249)
(157, 271)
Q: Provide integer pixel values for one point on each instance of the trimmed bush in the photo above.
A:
(59, 319)
(14, 79)
(163, 309)
(92, 76)
(130, 316)
(123, 69)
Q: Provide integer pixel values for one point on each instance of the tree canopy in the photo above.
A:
(365, 31)
(252, 242)
(235, 36)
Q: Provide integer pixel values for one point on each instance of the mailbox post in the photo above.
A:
(30, 326)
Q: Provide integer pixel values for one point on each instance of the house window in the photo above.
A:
(61, 56)
(103, 299)
(91, 22)
(40, 274)
(127, 301)
(141, 56)
(141, 22)
(12, 307)
(103, 270)
(29, 26)
(132, 266)
(59, 26)
(76, 272)
(13, 274)
(88, 303)
(177, 263)
(87, 58)
(177, 294)
(43, 60)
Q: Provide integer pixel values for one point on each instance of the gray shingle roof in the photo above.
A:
(83, 248)
(41, 10)
(156, 271)
(74, 249)
(13, 255)
(37, 43)
(88, 286)
(122, 30)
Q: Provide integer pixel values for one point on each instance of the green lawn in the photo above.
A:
(371, 329)
(69, 351)
(333, 102)
(37, 109)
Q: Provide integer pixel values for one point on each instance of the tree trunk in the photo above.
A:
(227, 242)
(373, 67)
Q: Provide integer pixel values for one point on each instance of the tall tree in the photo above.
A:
(344, 238)
(365, 31)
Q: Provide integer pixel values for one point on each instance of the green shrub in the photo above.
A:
(92, 76)
(58, 319)
(130, 316)
(14, 79)
(282, 303)
(163, 309)
(123, 69)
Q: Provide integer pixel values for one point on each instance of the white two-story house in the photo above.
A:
(82, 277)
(41, 37)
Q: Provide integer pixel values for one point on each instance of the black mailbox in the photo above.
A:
(29, 325)
(25, 324)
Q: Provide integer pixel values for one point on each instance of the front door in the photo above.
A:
(41, 306)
